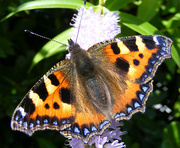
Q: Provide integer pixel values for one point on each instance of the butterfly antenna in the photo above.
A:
(28, 31)
(80, 21)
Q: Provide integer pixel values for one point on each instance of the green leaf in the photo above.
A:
(171, 135)
(116, 4)
(136, 24)
(175, 55)
(177, 108)
(51, 48)
(44, 143)
(172, 26)
(44, 4)
(172, 22)
(148, 9)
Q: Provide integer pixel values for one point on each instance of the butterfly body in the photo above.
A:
(79, 97)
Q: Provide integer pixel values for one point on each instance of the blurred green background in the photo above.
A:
(25, 58)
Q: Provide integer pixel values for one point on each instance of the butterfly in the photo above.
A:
(80, 96)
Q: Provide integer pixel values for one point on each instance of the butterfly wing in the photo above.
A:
(59, 101)
(134, 60)
(46, 105)
(119, 86)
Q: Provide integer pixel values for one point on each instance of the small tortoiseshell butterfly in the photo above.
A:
(80, 96)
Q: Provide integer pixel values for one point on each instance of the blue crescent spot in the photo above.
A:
(55, 122)
(64, 122)
(86, 131)
(164, 43)
(16, 117)
(164, 48)
(25, 124)
(145, 75)
(150, 70)
(76, 130)
(38, 122)
(20, 122)
(103, 124)
(129, 109)
(161, 40)
(45, 121)
(119, 115)
(157, 56)
(68, 129)
(143, 79)
(93, 128)
(163, 53)
(144, 88)
(153, 62)
(31, 125)
(136, 104)
(141, 96)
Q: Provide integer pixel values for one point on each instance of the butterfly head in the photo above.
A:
(73, 47)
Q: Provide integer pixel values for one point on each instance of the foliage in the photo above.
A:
(22, 64)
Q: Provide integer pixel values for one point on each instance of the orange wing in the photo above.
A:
(45, 106)
(137, 58)
(134, 60)
(61, 100)
(57, 102)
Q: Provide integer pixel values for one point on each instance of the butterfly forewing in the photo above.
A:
(137, 57)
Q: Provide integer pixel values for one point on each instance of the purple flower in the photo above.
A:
(106, 140)
(76, 143)
(115, 144)
(98, 141)
(115, 132)
(94, 28)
